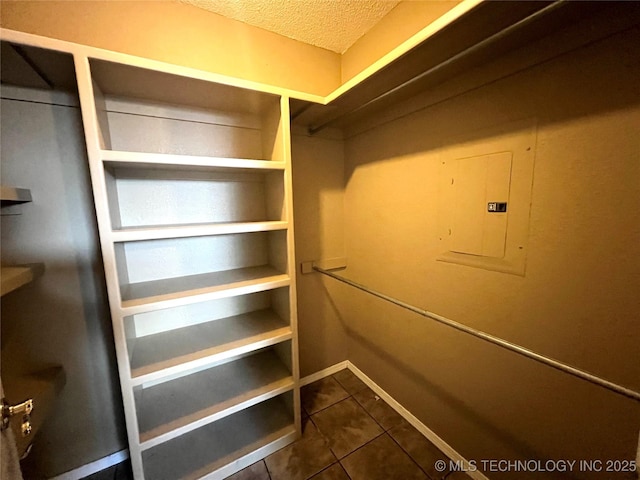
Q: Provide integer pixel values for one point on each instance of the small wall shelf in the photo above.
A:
(14, 277)
(14, 195)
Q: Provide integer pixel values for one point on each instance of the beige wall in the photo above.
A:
(182, 35)
(405, 20)
(577, 302)
(318, 193)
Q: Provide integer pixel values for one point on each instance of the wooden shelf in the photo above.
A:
(174, 351)
(176, 407)
(172, 292)
(119, 159)
(253, 433)
(17, 276)
(14, 195)
(194, 230)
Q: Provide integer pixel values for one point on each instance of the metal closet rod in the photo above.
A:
(576, 372)
(313, 129)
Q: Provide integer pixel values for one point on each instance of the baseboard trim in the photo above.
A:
(447, 449)
(94, 467)
(314, 377)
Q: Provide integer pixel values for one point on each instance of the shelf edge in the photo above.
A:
(276, 336)
(159, 302)
(184, 231)
(174, 161)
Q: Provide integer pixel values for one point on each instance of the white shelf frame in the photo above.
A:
(102, 158)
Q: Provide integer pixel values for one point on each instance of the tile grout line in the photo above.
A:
(351, 395)
(361, 446)
(429, 477)
(266, 467)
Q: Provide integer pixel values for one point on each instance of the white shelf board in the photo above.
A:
(179, 406)
(122, 159)
(207, 450)
(194, 230)
(13, 277)
(175, 351)
(171, 292)
(14, 195)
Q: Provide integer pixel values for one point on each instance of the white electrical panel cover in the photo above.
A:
(479, 183)
(485, 198)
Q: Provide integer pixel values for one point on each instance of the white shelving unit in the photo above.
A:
(192, 186)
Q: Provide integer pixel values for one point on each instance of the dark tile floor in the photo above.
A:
(349, 433)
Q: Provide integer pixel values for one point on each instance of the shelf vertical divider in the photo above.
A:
(284, 143)
(96, 139)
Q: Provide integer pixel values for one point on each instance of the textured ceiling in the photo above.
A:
(331, 24)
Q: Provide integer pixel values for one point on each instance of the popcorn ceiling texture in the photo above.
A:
(331, 24)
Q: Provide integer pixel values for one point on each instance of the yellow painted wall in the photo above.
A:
(578, 301)
(405, 20)
(318, 192)
(182, 35)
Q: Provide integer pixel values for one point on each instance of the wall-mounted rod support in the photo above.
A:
(576, 372)
(313, 129)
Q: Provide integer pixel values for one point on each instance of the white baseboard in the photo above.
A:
(421, 427)
(122, 455)
(94, 467)
(323, 373)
